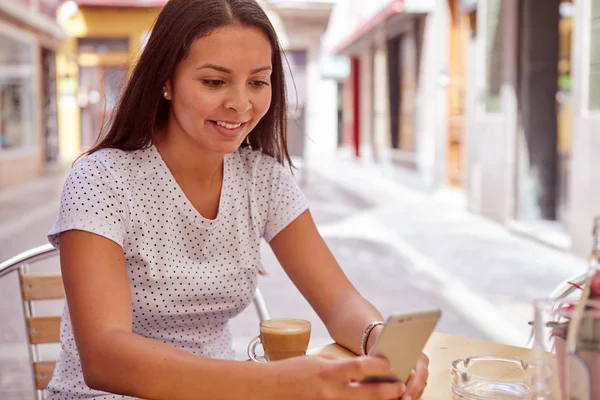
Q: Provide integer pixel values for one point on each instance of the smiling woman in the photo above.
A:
(160, 226)
(175, 53)
(217, 98)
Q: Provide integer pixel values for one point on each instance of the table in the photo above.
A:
(442, 349)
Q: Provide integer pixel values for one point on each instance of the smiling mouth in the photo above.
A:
(228, 125)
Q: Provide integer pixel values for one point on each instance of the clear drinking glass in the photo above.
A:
(574, 376)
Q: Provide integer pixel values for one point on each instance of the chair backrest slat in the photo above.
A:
(43, 371)
(42, 287)
(44, 329)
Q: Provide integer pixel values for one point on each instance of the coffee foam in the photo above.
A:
(283, 326)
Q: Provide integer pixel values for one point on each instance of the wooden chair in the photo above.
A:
(40, 329)
(46, 329)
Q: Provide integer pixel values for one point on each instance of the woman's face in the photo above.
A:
(222, 89)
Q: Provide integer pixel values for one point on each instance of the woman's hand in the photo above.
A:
(418, 379)
(324, 377)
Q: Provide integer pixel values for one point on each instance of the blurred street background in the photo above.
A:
(447, 148)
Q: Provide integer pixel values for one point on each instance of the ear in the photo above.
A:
(167, 92)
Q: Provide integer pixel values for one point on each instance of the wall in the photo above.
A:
(381, 101)
(320, 143)
(492, 136)
(585, 177)
(366, 105)
(432, 101)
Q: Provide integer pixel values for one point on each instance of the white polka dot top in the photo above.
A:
(188, 275)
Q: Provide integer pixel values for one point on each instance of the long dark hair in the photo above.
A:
(142, 109)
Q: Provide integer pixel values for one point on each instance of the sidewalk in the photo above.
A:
(477, 265)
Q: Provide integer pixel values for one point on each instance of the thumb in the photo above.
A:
(329, 357)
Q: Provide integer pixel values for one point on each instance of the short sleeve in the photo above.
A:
(91, 202)
(286, 201)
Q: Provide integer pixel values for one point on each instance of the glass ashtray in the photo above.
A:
(498, 378)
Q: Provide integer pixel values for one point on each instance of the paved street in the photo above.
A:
(404, 249)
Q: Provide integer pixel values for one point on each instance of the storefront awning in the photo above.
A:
(394, 7)
(387, 12)
(35, 20)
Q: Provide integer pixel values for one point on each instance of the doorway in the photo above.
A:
(404, 59)
(544, 113)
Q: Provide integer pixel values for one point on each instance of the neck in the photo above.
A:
(187, 160)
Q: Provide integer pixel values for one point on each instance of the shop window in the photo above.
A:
(594, 84)
(493, 55)
(17, 122)
(102, 45)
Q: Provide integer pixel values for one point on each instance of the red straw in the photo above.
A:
(575, 285)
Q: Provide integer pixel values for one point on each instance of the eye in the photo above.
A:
(214, 83)
(260, 84)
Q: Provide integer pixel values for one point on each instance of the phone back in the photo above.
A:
(403, 339)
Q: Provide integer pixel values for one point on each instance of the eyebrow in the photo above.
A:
(228, 71)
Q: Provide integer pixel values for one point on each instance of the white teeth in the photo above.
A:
(228, 126)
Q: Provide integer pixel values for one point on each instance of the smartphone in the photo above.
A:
(401, 342)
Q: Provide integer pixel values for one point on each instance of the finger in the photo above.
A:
(422, 367)
(421, 371)
(413, 390)
(379, 391)
(420, 394)
(415, 387)
(361, 367)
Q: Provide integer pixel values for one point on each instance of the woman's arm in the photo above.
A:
(116, 360)
(309, 263)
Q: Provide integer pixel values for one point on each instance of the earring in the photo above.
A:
(166, 94)
(248, 142)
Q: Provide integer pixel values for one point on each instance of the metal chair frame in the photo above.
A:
(21, 262)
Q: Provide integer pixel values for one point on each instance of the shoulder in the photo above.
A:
(113, 164)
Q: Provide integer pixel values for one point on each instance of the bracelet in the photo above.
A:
(366, 334)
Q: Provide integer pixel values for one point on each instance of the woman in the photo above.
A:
(160, 225)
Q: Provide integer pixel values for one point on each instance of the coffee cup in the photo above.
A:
(281, 339)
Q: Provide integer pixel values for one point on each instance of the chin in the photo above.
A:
(226, 147)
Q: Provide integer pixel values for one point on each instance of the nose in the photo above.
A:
(238, 100)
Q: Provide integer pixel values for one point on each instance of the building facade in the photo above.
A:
(396, 103)
(29, 40)
(499, 98)
(107, 35)
(533, 102)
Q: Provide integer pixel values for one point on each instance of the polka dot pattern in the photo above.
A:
(188, 275)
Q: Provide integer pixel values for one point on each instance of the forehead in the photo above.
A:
(232, 47)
